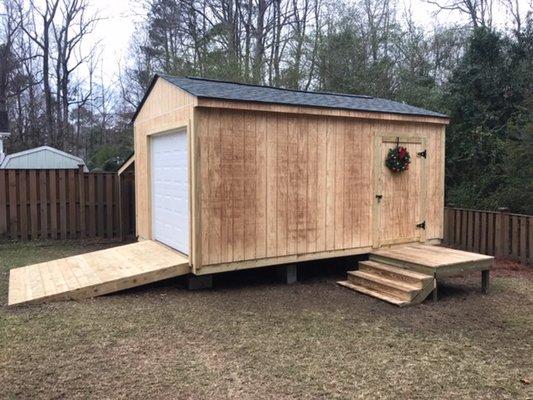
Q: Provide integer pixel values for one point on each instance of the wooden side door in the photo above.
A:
(400, 198)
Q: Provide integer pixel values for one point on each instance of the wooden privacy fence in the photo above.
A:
(64, 204)
(496, 233)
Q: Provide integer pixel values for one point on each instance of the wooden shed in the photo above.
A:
(232, 176)
(240, 176)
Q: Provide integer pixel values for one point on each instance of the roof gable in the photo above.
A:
(159, 87)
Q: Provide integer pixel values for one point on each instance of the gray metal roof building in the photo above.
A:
(43, 157)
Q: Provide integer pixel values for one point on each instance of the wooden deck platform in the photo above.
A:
(94, 274)
(434, 260)
(382, 275)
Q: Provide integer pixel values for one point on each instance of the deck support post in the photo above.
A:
(198, 282)
(288, 273)
(485, 281)
(435, 291)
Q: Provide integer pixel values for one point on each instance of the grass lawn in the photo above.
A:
(253, 338)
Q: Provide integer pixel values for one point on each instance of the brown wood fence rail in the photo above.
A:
(62, 204)
(496, 233)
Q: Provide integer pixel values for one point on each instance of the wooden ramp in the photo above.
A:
(406, 275)
(94, 274)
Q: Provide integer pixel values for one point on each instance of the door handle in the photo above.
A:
(379, 197)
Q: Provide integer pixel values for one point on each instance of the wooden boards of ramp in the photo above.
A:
(97, 273)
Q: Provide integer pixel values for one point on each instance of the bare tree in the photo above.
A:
(517, 14)
(479, 12)
(74, 26)
(9, 27)
(42, 40)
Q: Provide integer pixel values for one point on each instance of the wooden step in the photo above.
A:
(395, 273)
(375, 293)
(402, 290)
(411, 266)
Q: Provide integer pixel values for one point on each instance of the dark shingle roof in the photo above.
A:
(4, 123)
(214, 89)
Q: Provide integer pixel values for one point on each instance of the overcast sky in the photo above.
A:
(121, 16)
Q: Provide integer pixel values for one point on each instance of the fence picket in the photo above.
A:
(462, 228)
(81, 195)
(490, 234)
(457, 222)
(483, 232)
(43, 201)
(476, 236)
(23, 206)
(3, 204)
(71, 185)
(514, 237)
(523, 240)
(530, 240)
(13, 214)
(109, 205)
(63, 203)
(100, 187)
(34, 213)
(92, 205)
(53, 204)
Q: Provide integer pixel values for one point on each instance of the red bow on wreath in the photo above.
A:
(402, 152)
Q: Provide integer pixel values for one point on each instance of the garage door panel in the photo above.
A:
(170, 190)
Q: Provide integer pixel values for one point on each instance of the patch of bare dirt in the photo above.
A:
(508, 268)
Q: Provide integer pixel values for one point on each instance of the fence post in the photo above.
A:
(502, 232)
(449, 224)
(81, 194)
(120, 207)
(3, 204)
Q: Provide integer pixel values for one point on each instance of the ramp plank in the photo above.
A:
(35, 282)
(17, 276)
(96, 273)
(68, 275)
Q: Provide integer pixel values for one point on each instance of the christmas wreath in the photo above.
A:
(398, 159)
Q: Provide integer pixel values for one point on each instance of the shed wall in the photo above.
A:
(167, 108)
(275, 185)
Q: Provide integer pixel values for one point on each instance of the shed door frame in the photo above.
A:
(184, 126)
(378, 185)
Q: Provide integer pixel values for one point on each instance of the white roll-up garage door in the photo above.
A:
(170, 190)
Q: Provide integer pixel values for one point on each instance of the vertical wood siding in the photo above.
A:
(165, 109)
(277, 184)
(61, 204)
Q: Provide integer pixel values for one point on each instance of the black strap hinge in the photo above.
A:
(421, 225)
(422, 154)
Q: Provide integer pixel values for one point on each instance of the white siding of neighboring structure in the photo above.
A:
(44, 158)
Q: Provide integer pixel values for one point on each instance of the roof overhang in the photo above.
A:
(126, 164)
(140, 106)
(319, 111)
